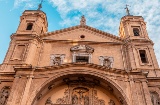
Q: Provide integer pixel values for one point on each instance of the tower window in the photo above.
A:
(29, 26)
(143, 56)
(136, 31)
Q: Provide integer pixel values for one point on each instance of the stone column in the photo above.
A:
(15, 90)
(27, 88)
(133, 92)
(146, 93)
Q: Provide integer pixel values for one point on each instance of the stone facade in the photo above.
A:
(79, 65)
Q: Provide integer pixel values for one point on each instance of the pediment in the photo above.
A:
(81, 33)
(82, 48)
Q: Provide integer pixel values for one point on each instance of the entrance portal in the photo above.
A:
(78, 91)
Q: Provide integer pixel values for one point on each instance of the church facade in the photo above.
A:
(79, 65)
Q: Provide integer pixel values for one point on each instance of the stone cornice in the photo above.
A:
(83, 65)
(83, 27)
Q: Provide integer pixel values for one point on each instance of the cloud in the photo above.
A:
(106, 14)
(26, 4)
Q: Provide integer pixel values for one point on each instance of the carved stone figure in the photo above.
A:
(64, 99)
(74, 99)
(83, 20)
(101, 102)
(155, 98)
(57, 59)
(48, 101)
(111, 102)
(4, 96)
(86, 100)
(106, 61)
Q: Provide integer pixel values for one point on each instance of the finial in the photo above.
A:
(127, 10)
(40, 5)
(83, 20)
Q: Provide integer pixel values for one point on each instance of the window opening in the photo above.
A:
(143, 56)
(136, 31)
(82, 59)
(29, 26)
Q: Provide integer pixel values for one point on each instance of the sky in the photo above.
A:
(101, 14)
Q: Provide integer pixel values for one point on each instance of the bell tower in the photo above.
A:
(133, 27)
(32, 22)
(26, 43)
(139, 48)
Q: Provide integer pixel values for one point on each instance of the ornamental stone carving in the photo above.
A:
(4, 94)
(48, 101)
(57, 59)
(106, 61)
(83, 20)
(64, 99)
(111, 102)
(155, 98)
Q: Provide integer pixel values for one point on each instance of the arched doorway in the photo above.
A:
(78, 90)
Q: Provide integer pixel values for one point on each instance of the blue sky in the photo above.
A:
(101, 14)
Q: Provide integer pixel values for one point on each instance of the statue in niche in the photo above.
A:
(86, 100)
(155, 98)
(74, 99)
(111, 102)
(4, 96)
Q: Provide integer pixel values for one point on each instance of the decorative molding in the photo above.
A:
(106, 61)
(57, 59)
(105, 34)
(82, 48)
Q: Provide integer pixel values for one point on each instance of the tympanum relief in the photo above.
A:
(79, 92)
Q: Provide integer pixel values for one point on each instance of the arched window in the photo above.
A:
(29, 26)
(136, 31)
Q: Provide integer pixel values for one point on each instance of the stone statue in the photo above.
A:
(86, 100)
(155, 98)
(111, 102)
(107, 63)
(83, 20)
(74, 99)
(48, 101)
(127, 10)
(4, 96)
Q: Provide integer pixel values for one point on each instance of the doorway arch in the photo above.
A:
(118, 93)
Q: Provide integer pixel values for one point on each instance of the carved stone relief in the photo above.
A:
(106, 61)
(82, 51)
(96, 100)
(48, 101)
(111, 102)
(155, 98)
(4, 94)
(57, 59)
(64, 99)
(80, 96)
(79, 92)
